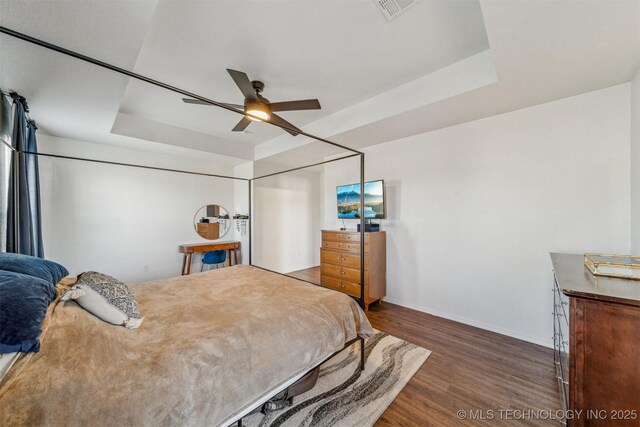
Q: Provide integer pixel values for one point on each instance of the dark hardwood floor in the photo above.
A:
(469, 369)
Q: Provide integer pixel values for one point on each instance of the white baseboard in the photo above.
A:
(471, 322)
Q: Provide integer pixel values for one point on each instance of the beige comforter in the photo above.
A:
(210, 345)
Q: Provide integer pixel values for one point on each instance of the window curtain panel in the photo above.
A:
(24, 229)
(5, 162)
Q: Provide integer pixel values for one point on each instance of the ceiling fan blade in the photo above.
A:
(243, 83)
(197, 101)
(275, 119)
(236, 106)
(242, 125)
(303, 104)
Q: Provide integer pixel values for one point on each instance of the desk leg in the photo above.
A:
(235, 255)
(188, 263)
(184, 263)
(229, 257)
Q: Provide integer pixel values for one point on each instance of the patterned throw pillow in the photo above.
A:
(106, 298)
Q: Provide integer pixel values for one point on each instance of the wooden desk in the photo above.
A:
(190, 248)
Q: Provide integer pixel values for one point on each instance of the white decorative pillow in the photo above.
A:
(106, 298)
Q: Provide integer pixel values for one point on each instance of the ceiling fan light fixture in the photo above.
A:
(258, 112)
(257, 108)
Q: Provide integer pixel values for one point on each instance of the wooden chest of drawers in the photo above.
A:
(340, 263)
(597, 345)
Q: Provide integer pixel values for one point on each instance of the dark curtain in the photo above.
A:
(24, 229)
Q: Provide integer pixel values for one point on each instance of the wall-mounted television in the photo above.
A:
(349, 200)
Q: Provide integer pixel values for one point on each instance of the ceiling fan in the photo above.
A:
(258, 108)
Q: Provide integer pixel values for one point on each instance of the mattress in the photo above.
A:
(211, 345)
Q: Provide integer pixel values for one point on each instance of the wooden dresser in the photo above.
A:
(209, 230)
(597, 344)
(340, 263)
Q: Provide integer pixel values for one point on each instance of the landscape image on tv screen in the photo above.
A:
(349, 200)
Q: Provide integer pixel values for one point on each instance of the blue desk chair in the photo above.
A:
(214, 258)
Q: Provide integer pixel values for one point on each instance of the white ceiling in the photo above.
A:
(439, 64)
(341, 52)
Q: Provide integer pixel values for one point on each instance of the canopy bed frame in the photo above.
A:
(250, 181)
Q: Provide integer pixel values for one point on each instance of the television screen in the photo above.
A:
(349, 200)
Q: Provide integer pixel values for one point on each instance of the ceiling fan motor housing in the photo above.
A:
(257, 85)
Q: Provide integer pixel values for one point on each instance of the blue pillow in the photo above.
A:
(23, 305)
(50, 271)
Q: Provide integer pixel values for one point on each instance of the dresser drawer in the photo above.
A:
(344, 273)
(336, 284)
(343, 259)
(342, 246)
(335, 236)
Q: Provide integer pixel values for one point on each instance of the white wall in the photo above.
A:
(287, 221)
(474, 210)
(635, 164)
(117, 219)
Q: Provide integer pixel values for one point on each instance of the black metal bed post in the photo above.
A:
(362, 235)
(250, 222)
(362, 222)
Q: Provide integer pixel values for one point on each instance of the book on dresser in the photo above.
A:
(340, 264)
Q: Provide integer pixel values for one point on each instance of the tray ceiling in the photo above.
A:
(438, 64)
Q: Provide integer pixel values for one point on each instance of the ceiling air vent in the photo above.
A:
(391, 9)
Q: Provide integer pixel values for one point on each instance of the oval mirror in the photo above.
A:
(211, 222)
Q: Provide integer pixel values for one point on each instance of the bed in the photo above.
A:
(212, 346)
